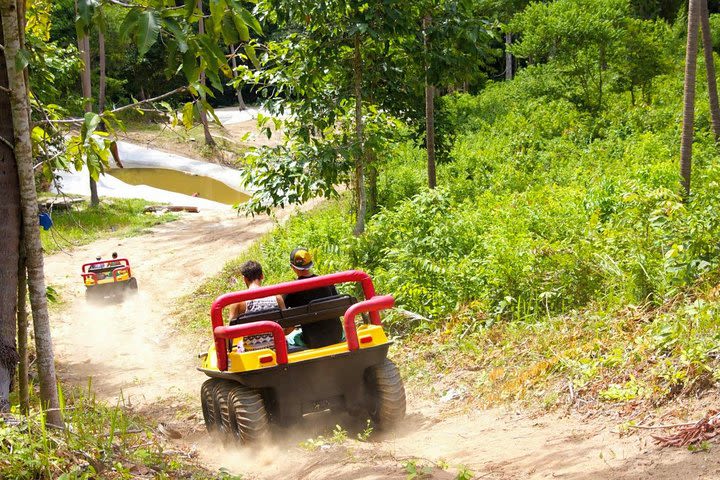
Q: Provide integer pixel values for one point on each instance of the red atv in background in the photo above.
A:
(108, 279)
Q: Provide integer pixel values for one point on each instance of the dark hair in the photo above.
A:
(114, 255)
(251, 270)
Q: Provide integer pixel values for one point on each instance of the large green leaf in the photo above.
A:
(250, 52)
(245, 15)
(190, 66)
(217, 10)
(147, 28)
(241, 28)
(229, 32)
(180, 36)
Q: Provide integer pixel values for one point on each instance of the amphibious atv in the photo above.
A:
(108, 279)
(249, 389)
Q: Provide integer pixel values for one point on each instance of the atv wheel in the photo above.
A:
(222, 407)
(247, 414)
(207, 400)
(132, 285)
(386, 394)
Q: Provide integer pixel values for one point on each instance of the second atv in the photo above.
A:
(108, 279)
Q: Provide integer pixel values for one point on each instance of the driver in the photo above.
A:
(317, 334)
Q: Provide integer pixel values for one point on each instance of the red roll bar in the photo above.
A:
(122, 262)
(221, 333)
(254, 328)
(372, 305)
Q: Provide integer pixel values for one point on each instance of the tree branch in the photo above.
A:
(7, 142)
(5, 89)
(120, 109)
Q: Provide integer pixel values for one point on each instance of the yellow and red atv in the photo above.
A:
(250, 389)
(108, 279)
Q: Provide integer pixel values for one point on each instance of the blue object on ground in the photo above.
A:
(45, 221)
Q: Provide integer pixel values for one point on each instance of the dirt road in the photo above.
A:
(131, 350)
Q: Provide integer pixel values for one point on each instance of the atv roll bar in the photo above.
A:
(221, 333)
(121, 262)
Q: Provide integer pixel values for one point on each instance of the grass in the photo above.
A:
(636, 355)
(84, 224)
(99, 441)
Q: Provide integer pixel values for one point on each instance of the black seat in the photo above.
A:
(273, 315)
(317, 310)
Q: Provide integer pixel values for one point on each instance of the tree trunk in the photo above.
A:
(508, 57)
(360, 198)
(22, 335)
(429, 109)
(9, 239)
(31, 230)
(372, 184)
(241, 102)
(83, 42)
(689, 95)
(102, 86)
(710, 68)
(203, 114)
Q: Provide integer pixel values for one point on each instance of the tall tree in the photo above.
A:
(19, 101)
(203, 114)
(710, 68)
(83, 43)
(429, 105)
(9, 238)
(689, 94)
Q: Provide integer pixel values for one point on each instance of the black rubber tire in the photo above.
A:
(386, 394)
(248, 417)
(132, 285)
(222, 407)
(211, 415)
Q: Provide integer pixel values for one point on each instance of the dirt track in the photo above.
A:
(130, 349)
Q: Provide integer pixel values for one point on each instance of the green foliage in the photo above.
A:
(97, 439)
(590, 44)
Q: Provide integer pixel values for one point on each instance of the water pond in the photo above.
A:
(180, 182)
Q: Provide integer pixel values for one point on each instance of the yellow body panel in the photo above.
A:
(247, 361)
(122, 277)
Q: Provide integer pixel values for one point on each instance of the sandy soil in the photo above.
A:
(131, 350)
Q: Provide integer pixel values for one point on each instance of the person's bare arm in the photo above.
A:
(281, 304)
(237, 309)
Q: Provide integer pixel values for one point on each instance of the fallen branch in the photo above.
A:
(411, 315)
(658, 427)
(701, 431)
(170, 208)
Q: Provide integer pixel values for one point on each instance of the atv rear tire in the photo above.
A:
(247, 414)
(207, 400)
(132, 285)
(222, 407)
(386, 394)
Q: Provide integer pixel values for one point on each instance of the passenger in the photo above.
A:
(114, 262)
(317, 334)
(253, 277)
